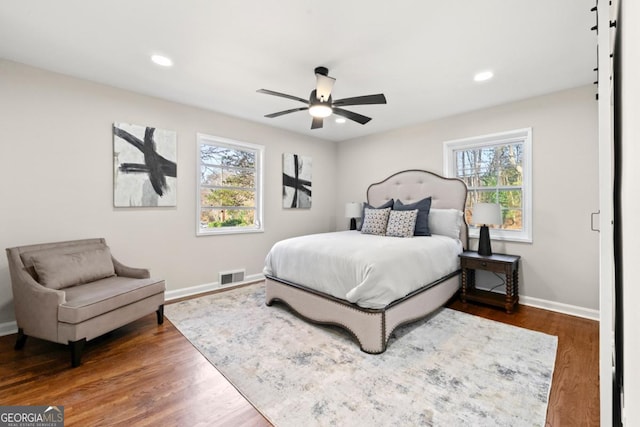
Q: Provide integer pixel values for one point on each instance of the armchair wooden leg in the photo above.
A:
(160, 314)
(22, 338)
(76, 351)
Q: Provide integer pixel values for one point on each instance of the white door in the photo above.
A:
(605, 136)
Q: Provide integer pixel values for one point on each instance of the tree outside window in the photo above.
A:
(496, 169)
(229, 186)
(493, 175)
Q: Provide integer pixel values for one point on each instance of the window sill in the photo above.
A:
(515, 239)
(229, 231)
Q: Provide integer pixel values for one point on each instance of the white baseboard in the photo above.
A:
(208, 287)
(8, 328)
(559, 307)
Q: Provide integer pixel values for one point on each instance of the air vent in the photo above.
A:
(228, 277)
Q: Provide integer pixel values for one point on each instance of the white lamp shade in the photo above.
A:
(353, 210)
(324, 85)
(487, 213)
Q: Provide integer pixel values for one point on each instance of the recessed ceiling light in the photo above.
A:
(341, 120)
(162, 60)
(483, 76)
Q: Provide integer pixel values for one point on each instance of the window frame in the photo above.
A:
(204, 139)
(524, 136)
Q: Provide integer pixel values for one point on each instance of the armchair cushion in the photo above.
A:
(96, 298)
(59, 271)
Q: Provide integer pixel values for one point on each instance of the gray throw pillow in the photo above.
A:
(422, 222)
(375, 221)
(59, 271)
(365, 205)
(402, 223)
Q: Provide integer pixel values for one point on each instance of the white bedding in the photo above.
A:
(368, 270)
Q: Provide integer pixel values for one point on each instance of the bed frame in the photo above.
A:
(372, 328)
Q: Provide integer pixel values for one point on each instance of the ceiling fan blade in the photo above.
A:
(324, 86)
(282, 113)
(316, 123)
(282, 95)
(361, 100)
(351, 115)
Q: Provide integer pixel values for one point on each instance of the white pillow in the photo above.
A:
(446, 222)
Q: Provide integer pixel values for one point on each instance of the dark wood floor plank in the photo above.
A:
(141, 374)
(146, 374)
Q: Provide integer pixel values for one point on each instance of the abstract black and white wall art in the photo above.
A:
(144, 162)
(296, 181)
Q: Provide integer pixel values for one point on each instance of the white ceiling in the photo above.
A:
(422, 54)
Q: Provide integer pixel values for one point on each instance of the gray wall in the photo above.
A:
(58, 174)
(561, 265)
(57, 179)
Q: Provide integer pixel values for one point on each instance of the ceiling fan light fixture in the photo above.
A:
(321, 105)
(320, 110)
(324, 86)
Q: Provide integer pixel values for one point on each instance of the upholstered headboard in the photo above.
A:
(412, 185)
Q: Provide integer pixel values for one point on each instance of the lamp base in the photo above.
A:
(353, 224)
(484, 245)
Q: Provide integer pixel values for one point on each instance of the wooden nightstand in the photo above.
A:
(497, 263)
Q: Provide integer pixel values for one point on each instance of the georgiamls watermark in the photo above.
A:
(31, 416)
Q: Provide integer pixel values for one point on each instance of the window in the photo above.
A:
(229, 186)
(496, 169)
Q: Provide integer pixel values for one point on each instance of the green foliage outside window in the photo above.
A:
(494, 174)
(228, 187)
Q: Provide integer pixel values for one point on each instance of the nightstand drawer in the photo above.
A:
(479, 264)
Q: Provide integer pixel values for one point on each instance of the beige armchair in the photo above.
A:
(71, 292)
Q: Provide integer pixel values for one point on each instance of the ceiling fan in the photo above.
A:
(321, 105)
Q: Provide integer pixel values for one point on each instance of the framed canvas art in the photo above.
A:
(296, 181)
(144, 163)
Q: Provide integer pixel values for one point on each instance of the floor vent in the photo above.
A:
(228, 277)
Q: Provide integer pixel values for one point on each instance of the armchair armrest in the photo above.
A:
(126, 271)
(36, 307)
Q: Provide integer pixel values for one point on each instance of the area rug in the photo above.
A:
(450, 369)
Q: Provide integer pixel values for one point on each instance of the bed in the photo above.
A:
(345, 278)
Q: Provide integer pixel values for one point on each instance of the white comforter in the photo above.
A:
(368, 270)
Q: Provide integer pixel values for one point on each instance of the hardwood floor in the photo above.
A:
(145, 374)
(141, 374)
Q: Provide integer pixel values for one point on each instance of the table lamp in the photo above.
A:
(353, 210)
(486, 213)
